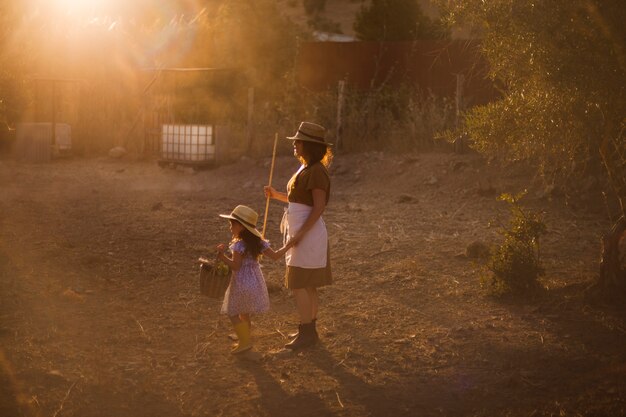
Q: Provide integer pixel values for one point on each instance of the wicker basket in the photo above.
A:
(212, 284)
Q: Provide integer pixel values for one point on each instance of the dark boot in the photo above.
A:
(316, 337)
(295, 334)
(306, 337)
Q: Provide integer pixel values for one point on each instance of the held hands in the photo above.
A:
(290, 244)
(277, 254)
(284, 249)
(293, 241)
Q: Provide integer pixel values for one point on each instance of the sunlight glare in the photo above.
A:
(80, 8)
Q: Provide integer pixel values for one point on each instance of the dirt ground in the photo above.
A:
(101, 315)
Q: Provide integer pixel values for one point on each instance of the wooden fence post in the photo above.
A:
(460, 143)
(460, 81)
(340, 100)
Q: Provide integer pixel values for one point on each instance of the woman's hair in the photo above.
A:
(252, 242)
(314, 152)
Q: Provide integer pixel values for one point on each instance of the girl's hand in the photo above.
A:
(221, 248)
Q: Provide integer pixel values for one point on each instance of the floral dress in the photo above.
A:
(247, 292)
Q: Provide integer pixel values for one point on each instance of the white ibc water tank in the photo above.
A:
(188, 143)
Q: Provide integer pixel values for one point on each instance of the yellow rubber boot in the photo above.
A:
(243, 334)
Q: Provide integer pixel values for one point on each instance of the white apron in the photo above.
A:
(312, 250)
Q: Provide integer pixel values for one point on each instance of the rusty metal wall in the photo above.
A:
(428, 65)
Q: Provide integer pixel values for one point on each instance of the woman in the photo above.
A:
(308, 260)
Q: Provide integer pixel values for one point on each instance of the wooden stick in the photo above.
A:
(267, 202)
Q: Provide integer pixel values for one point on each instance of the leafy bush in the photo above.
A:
(562, 65)
(515, 266)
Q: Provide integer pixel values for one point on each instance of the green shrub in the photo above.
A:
(562, 67)
(515, 266)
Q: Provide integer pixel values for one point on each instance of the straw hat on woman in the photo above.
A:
(308, 260)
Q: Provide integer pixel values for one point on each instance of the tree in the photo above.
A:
(394, 20)
(254, 36)
(563, 65)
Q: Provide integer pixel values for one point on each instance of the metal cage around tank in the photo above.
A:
(192, 137)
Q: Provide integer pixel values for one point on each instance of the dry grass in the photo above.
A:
(405, 326)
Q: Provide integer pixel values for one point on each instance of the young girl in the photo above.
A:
(247, 292)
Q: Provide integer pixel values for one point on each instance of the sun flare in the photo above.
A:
(84, 8)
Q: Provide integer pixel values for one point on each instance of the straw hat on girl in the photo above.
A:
(246, 216)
